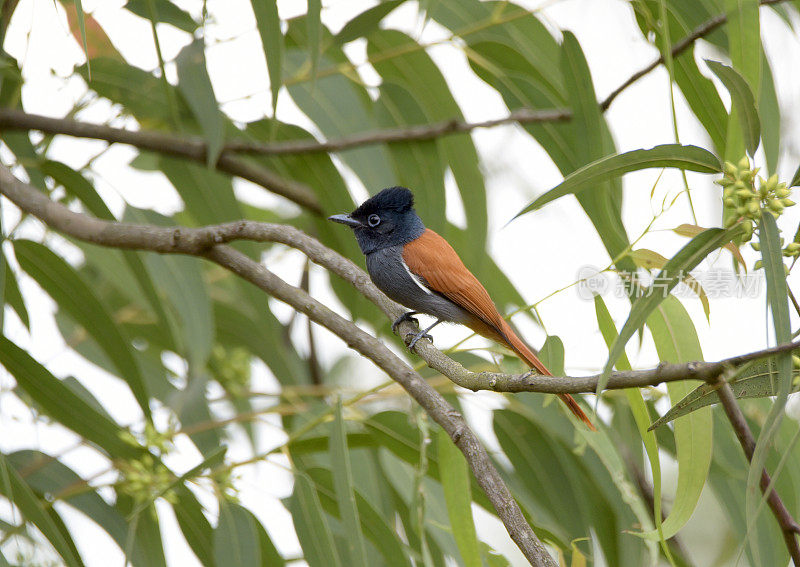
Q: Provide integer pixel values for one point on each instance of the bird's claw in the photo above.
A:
(418, 336)
(407, 316)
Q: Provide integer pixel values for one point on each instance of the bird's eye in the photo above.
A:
(374, 220)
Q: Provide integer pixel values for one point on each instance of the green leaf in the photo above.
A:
(743, 103)
(3, 270)
(380, 533)
(24, 498)
(236, 539)
(62, 404)
(314, 24)
(195, 526)
(179, 283)
(458, 496)
(12, 295)
(640, 414)
(82, 27)
(795, 178)
(674, 270)
(676, 341)
(73, 295)
(552, 355)
(343, 482)
(745, 50)
(744, 39)
(757, 380)
(144, 532)
(165, 12)
(364, 23)
(690, 158)
(269, 28)
(603, 204)
(777, 297)
(769, 111)
(195, 85)
(311, 526)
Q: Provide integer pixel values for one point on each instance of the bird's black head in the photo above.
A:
(386, 219)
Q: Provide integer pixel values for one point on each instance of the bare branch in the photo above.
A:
(789, 526)
(418, 133)
(188, 147)
(679, 47)
(204, 243)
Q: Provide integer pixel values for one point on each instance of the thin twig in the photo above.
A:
(788, 525)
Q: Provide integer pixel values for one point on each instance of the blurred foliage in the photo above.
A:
(375, 483)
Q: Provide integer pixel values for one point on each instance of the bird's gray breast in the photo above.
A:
(391, 274)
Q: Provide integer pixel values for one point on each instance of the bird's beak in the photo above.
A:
(345, 219)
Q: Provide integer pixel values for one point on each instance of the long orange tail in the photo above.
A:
(533, 361)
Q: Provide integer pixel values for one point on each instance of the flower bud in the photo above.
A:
(757, 265)
(755, 246)
(744, 163)
(772, 182)
(775, 205)
(729, 168)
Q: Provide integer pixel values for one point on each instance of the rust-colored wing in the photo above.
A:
(433, 259)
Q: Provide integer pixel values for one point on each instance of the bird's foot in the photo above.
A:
(418, 336)
(407, 316)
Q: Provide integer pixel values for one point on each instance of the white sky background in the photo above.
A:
(541, 252)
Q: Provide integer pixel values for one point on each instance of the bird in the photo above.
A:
(419, 269)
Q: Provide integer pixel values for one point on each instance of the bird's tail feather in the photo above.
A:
(522, 350)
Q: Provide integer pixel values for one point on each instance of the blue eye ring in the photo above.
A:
(373, 220)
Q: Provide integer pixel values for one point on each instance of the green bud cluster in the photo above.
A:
(231, 367)
(160, 440)
(741, 195)
(146, 479)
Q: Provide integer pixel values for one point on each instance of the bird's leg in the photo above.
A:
(407, 316)
(422, 335)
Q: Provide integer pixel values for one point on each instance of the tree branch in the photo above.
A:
(192, 148)
(788, 525)
(189, 241)
(680, 46)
